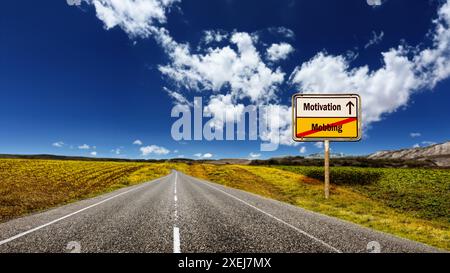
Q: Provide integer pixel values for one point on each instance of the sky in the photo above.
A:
(100, 78)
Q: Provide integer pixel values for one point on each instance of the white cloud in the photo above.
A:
(388, 88)
(319, 144)
(434, 62)
(217, 36)
(302, 150)
(74, 2)
(135, 17)
(240, 71)
(206, 155)
(179, 99)
(153, 149)
(283, 31)
(375, 3)
(376, 39)
(94, 153)
(84, 147)
(58, 144)
(413, 135)
(254, 155)
(137, 142)
(382, 91)
(417, 145)
(278, 52)
(235, 72)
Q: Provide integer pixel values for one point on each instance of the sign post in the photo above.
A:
(330, 117)
(327, 168)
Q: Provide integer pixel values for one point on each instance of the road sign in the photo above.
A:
(334, 117)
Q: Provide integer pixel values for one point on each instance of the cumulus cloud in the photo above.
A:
(388, 88)
(137, 142)
(236, 67)
(413, 135)
(229, 70)
(302, 150)
(84, 147)
(227, 75)
(277, 52)
(94, 153)
(153, 149)
(135, 17)
(58, 144)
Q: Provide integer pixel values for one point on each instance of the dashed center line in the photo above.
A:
(176, 230)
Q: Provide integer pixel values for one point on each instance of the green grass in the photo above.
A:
(411, 203)
(374, 198)
(422, 193)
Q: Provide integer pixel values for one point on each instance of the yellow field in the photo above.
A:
(31, 185)
(346, 202)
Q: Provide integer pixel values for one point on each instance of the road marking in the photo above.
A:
(176, 240)
(275, 218)
(176, 230)
(72, 214)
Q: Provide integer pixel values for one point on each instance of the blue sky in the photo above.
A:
(67, 78)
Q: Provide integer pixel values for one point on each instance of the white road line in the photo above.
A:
(176, 240)
(276, 218)
(176, 230)
(71, 214)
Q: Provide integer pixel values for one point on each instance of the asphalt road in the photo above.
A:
(179, 213)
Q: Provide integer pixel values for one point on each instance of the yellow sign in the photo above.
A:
(326, 117)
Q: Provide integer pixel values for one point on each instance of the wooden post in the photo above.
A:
(327, 168)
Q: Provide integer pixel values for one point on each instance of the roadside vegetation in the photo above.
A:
(410, 203)
(28, 185)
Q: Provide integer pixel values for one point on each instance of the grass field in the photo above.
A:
(31, 185)
(410, 203)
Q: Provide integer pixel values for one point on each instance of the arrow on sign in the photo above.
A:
(350, 105)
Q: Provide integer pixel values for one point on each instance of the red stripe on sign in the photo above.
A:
(342, 122)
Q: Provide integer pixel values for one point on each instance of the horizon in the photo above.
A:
(225, 158)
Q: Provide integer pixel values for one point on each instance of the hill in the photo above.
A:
(439, 154)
